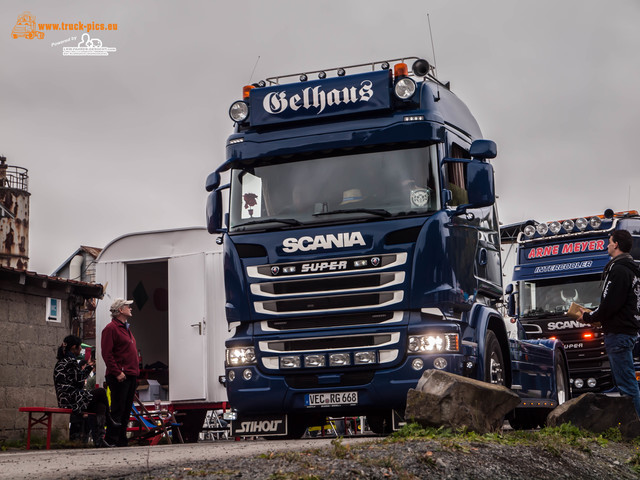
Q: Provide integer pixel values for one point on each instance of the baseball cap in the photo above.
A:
(118, 303)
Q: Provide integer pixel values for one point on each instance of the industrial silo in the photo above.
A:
(14, 216)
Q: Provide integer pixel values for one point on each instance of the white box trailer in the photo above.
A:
(175, 278)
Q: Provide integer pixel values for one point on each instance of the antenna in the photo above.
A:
(433, 51)
(254, 69)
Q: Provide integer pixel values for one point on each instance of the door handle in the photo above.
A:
(199, 325)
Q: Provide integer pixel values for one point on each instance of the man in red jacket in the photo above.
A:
(120, 355)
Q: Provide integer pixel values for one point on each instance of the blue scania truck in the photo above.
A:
(357, 214)
(561, 262)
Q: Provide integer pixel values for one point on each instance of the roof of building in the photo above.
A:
(14, 279)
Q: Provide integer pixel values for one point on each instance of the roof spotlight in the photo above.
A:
(303, 77)
(555, 227)
(341, 72)
(568, 225)
(420, 67)
(322, 75)
(262, 83)
(542, 228)
(581, 223)
(385, 66)
(595, 222)
(608, 213)
(529, 230)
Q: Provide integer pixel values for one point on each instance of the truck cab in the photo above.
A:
(361, 248)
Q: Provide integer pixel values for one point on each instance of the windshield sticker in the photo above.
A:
(251, 196)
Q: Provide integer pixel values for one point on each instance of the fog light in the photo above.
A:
(339, 359)
(440, 363)
(591, 383)
(288, 269)
(290, 362)
(363, 358)
(417, 364)
(231, 376)
(314, 361)
(578, 383)
(361, 263)
(247, 374)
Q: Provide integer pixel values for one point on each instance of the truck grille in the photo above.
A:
(328, 285)
(329, 343)
(324, 321)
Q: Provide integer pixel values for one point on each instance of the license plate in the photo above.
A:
(327, 399)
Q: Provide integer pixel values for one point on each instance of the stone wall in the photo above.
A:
(28, 346)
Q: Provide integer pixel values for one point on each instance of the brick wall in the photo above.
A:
(28, 346)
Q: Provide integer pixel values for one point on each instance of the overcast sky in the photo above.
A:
(123, 143)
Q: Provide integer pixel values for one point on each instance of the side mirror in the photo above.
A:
(480, 185)
(483, 149)
(214, 212)
(213, 181)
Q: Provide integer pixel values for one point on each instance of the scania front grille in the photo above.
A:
(329, 303)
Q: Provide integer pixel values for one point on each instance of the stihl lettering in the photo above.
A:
(260, 426)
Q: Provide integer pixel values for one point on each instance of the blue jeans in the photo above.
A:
(620, 351)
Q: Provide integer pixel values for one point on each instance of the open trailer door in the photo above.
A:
(187, 328)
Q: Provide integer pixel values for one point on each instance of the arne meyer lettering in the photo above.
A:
(571, 247)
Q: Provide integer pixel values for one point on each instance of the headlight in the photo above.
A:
(405, 88)
(237, 356)
(440, 342)
(239, 111)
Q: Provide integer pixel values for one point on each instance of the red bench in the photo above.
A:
(44, 419)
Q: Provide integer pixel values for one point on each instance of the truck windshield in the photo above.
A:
(371, 186)
(554, 296)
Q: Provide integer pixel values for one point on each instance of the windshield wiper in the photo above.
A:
(286, 221)
(373, 211)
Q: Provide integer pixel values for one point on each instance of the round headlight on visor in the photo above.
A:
(542, 228)
(239, 111)
(529, 230)
(405, 88)
(581, 223)
(554, 227)
(568, 225)
(595, 222)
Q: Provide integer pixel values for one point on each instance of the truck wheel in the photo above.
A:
(562, 380)
(493, 361)
(380, 424)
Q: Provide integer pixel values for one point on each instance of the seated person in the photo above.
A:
(69, 377)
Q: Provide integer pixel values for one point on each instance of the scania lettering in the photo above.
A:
(559, 263)
(362, 248)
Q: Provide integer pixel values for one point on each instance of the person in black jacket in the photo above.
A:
(619, 314)
(69, 377)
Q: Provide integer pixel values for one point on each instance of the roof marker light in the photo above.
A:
(385, 66)
(303, 77)
(322, 75)
(341, 72)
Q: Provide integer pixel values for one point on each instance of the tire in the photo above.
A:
(493, 360)
(296, 428)
(563, 389)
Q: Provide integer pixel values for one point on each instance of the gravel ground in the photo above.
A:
(418, 459)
